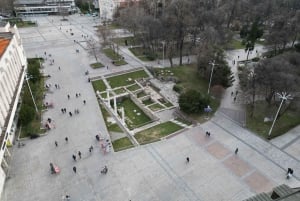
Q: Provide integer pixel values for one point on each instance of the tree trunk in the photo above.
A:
(180, 52)
(294, 40)
(269, 97)
(171, 61)
(248, 55)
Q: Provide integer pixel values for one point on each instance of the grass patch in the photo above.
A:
(99, 85)
(165, 103)
(121, 144)
(156, 107)
(121, 41)
(104, 94)
(112, 54)
(189, 79)
(148, 102)
(133, 87)
(236, 44)
(113, 26)
(287, 121)
(119, 91)
(143, 53)
(20, 23)
(126, 79)
(188, 76)
(97, 65)
(183, 121)
(156, 132)
(141, 94)
(119, 62)
(135, 117)
(112, 127)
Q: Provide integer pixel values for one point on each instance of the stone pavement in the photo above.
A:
(154, 172)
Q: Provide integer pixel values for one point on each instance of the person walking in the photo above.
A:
(66, 139)
(74, 169)
(236, 151)
(79, 154)
(290, 171)
(56, 144)
(84, 102)
(187, 159)
(70, 113)
(74, 157)
(68, 97)
(91, 149)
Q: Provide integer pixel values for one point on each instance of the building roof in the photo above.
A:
(279, 193)
(4, 42)
(16, 2)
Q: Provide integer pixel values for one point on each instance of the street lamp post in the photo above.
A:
(284, 96)
(211, 74)
(27, 78)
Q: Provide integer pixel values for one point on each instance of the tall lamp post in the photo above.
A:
(211, 74)
(284, 96)
(27, 78)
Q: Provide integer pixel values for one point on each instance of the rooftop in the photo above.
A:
(4, 42)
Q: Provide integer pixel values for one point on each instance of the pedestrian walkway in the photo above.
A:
(270, 152)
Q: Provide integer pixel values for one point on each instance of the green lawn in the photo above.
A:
(104, 94)
(189, 79)
(121, 144)
(126, 79)
(119, 62)
(141, 94)
(110, 127)
(165, 103)
(97, 65)
(148, 101)
(20, 23)
(112, 54)
(236, 44)
(99, 85)
(183, 121)
(143, 54)
(156, 132)
(188, 76)
(119, 91)
(135, 117)
(121, 41)
(287, 121)
(133, 87)
(156, 107)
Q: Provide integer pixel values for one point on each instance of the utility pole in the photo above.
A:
(283, 96)
(211, 74)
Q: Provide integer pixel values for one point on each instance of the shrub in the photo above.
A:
(193, 102)
(297, 46)
(178, 88)
(27, 114)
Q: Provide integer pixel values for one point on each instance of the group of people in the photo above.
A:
(234, 95)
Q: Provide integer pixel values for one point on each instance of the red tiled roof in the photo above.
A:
(3, 45)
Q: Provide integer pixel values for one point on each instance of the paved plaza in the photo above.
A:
(153, 172)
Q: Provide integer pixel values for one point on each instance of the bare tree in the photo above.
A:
(93, 48)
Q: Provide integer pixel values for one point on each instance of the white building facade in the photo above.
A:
(13, 64)
(44, 7)
(107, 8)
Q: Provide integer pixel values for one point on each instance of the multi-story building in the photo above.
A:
(13, 64)
(44, 7)
(108, 8)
